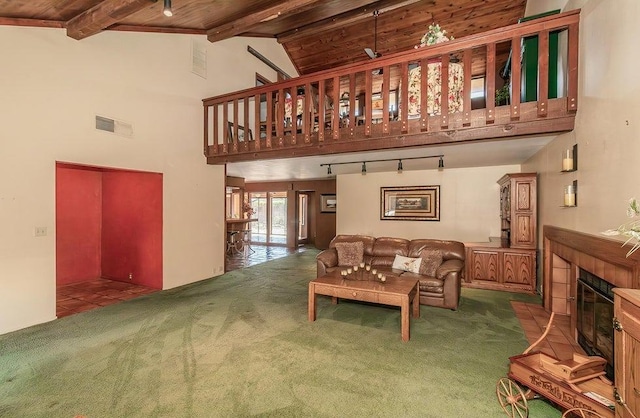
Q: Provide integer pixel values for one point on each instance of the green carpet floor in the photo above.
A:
(240, 345)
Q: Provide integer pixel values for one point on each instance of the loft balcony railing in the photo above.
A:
(379, 104)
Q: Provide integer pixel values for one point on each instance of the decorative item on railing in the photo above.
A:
(247, 210)
(434, 35)
(630, 229)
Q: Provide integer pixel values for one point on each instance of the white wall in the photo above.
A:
(469, 203)
(51, 88)
(607, 128)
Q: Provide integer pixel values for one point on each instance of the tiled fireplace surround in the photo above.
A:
(566, 251)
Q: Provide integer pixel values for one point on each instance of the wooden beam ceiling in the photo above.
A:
(103, 15)
(246, 23)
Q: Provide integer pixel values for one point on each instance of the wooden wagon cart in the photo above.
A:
(577, 385)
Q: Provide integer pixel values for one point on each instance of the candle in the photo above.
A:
(361, 265)
(567, 160)
(374, 272)
(368, 267)
(355, 268)
(569, 196)
(384, 278)
(379, 275)
(349, 270)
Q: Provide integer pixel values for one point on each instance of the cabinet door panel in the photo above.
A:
(523, 232)
(485, 266)
(518, 269)
(523, 196)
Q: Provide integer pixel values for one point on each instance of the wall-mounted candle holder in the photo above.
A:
(571, 195)
(570, 159)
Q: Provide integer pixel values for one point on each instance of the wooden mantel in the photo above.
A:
(566, 251)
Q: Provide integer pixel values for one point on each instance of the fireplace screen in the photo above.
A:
(595, 315)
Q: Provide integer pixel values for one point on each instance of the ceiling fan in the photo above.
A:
(374, 53)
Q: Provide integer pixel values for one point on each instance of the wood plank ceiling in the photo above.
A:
(317, 34)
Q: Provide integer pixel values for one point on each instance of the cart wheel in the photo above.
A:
(580, 412)
(512, 398)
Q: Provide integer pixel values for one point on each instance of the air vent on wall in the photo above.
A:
(117, 127)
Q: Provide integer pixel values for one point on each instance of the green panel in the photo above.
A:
(529, 85)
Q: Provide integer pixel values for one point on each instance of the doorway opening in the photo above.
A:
(271, 212)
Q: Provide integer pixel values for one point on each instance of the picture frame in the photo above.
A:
(328, 203)
(410, 203)
(241, 133)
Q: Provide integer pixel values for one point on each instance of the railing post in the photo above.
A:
(466, 90)
(225, 127)
(352, 104)
(404, 94)
(247, 127)
(572, 68)
(321, 109)
(444, 92)
(424, 95)
(307, 116)
(267, 142)
(490, 80)
(258, 126)
(235, 126)
(368, 81)
(514, 95)
(543, 73)
(386, 80)
(281, 115)
(336, 108)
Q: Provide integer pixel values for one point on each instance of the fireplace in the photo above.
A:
(594, 300)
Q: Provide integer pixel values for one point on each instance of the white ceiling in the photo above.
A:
(474, 154)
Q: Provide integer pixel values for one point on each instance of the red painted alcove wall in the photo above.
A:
(108, 224)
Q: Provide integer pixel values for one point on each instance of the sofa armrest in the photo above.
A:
(449, 266)
(325, 259)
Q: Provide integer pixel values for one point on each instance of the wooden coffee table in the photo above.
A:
(394, 291)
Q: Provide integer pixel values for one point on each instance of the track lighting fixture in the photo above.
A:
(167, 8)
(399, 160)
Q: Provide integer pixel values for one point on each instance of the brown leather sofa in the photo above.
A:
(443, 290)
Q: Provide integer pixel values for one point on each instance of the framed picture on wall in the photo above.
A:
(328, 203)
(410, 203)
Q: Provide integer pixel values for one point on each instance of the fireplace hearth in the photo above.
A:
(594, 300)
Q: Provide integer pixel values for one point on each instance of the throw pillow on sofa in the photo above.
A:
(350, 253)
(407, 263)
(431, 260)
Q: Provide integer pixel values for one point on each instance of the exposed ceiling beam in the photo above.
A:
(103, 15)
(246, 23)
(344, 19)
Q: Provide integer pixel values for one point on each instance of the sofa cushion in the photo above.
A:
(350, 253)
(389, 247)
(407, 263)
(366, 240)
(431, 260)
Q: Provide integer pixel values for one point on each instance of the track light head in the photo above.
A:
(441, 163)
(364, 168)
(399, 166)
(329, 170)
(167, 8)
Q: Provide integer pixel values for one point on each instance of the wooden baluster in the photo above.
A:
(247, 128)
(215, 128)
(466, 90)
(294, 115)
(225, 127)
(308, 113)
(321, 110)
(234, 144)
(543, 73)
(335, 124)
(514, 95)
(280, 117)
(404, 94)
(572, 68)
(257, 122)
(352, 104)
(386, 80)
(444, 92)
(424, 98)
(269, 119)
(368, 87)
(490, 80)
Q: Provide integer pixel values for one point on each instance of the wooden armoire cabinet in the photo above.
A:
(511, 263)
(627, 352)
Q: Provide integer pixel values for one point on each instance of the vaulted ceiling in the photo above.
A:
(317, 34)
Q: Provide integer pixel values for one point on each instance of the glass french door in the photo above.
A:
(271, 212)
